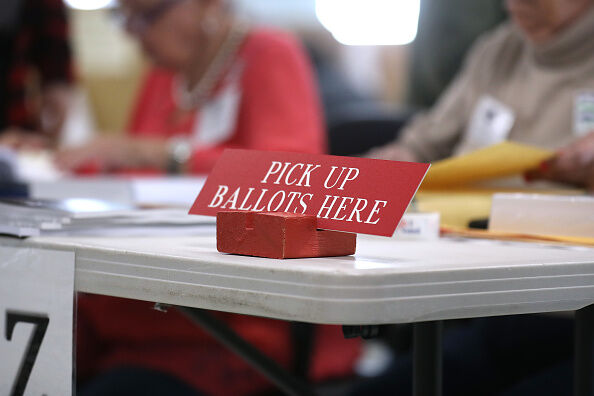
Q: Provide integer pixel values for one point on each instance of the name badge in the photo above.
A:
(218, 117)
(491, 123)
(583, 113)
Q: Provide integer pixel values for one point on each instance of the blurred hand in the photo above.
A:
(19, 139)
(112, 153)
(392, 152)
(573, 164)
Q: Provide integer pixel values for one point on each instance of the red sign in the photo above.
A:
(346, 194)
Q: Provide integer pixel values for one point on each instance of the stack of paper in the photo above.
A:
(26, 217)
(138, 191)
(32, 217)
(461, 188)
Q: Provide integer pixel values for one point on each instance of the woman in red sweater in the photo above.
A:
(217, 84)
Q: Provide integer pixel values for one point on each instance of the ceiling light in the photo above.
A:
(370, 22)
(89, 4)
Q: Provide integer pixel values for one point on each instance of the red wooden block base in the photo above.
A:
(279, 235)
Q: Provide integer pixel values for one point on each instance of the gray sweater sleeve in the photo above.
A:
(433, 135)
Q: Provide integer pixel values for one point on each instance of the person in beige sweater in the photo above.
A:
(530, 81)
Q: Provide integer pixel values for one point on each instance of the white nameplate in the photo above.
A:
(418, 226)
(36, 311)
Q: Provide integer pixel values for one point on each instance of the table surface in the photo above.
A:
(387, 281)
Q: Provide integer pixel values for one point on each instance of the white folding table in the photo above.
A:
(387, 281)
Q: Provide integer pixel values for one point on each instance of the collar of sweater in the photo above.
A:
(570, 46)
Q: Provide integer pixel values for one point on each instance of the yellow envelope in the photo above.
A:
(457, 208)
(500, 160)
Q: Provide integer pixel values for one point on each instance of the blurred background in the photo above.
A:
(376, 61)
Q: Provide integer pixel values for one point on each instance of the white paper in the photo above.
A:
(167, 191)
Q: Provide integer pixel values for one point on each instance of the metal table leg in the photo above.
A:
(583, 381)
(427, 358)
(303, 340)
(266, 366)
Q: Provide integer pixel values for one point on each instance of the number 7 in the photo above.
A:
(40, 322)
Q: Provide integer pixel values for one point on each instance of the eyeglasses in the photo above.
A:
(136, 22)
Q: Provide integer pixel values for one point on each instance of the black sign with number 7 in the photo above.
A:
(40, 322)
